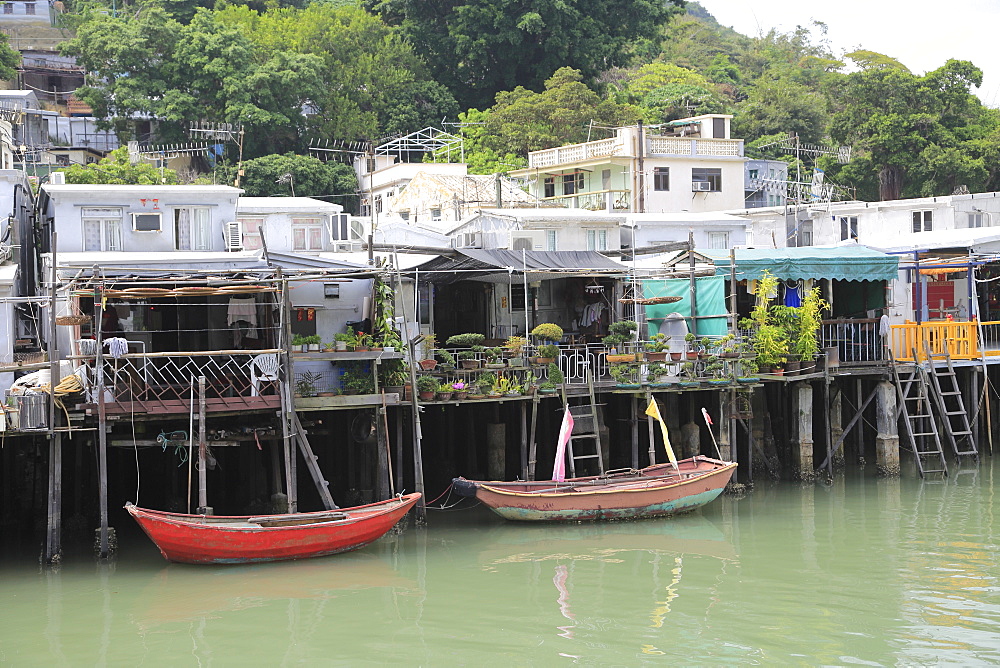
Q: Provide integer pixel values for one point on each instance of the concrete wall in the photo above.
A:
(68, 202)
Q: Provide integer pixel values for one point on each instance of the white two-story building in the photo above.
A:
(687, 165)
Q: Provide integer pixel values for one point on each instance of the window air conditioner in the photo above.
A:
(234, 236)
(57, 178)
(701, 186)
(533, 240)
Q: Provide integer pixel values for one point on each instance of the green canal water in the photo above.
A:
(865, 572)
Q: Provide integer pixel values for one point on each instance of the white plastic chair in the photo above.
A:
(263, 369)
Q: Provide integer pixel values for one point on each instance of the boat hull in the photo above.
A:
(650, 493)
(201, 539)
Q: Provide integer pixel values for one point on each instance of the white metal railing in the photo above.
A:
(704, 147)
(168, 376)
(856, 340)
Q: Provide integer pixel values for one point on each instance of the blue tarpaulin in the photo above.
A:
(711, 294)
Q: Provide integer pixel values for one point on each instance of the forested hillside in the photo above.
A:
(522, 76)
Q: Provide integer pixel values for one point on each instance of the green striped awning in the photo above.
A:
(845, 263)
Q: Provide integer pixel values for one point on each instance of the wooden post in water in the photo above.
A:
(633, 402)
(203, 507)
(532, 443)
(802, 420)
(102, 423)
(382, 452)
(524, 439)
(887, 440)
(652, 435)
(287, 400)
(53, 535)
(837, 425)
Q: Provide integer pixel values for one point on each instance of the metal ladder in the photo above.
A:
(918, 417)
(585, 428)
(951, 407)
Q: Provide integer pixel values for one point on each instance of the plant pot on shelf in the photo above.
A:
(313, 347)
(792, 367)
(777, 371)
(461, 396)
(360, 349)
(676, 357)
(656, 356)
(469, 364)
(394, 389)
(496, 365)
(620, 359)
(692, 355)
(444, 396)
(428, 365)
(427, 396)
(476, 396)
(547, 390)
(341, 346)
(543, 360)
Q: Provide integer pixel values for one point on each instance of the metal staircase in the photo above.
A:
(950, 407)
(585, 429)
(916, 408)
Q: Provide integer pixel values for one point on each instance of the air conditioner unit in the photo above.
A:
(468, 240)
(701, 186)
(57, 178)
(234, 236)
(532, 240)
(347, 246)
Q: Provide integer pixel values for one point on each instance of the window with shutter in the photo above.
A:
(234, 236)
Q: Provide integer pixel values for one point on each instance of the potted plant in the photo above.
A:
(485, 382)
(447, 359)
(717, 368)
(508, 387)
(362, 341)
(465, 340)
(460, 389)
(692, 351)
(357, 378)
(529, 384)
(547, 354)
(657, 348)
(555, 374)
(493, 359)
(658, 375)
(728, 347)
(299, 342)
(305, 384)
(427, 386)
(618, 340)
(690, 375)
(548, 331)
(769, 335)
(622, 373)
(344, 340)
(746, 371)
(394, 381)
(467, 359)
(329, 346)
(444, 392)
(513, 349)
(805, 338)
(548, 387)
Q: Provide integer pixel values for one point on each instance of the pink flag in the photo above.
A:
(559, 468)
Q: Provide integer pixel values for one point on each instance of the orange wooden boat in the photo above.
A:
(221, 539)
(654, 491)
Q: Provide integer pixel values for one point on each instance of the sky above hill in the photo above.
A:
(920, 34)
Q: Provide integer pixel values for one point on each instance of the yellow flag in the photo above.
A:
(653, 411)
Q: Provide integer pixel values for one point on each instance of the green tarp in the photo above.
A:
(844, 263)
(711, 294)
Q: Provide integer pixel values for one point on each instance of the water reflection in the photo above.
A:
(867, 570)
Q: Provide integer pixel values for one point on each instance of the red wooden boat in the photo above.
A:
(654, 491)
(220, 539)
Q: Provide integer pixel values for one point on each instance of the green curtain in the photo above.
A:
(711, 292)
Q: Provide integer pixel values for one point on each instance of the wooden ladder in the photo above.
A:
(312, 463)
(585, 429)
(916, 408)
(951, 406)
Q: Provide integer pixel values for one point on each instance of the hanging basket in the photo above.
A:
(649, 301)
(72, 320)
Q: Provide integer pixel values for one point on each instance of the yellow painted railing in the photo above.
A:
(959, 339)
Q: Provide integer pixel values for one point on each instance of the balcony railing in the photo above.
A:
(604, 148)
(958, 339)
(620, 200)
(162, 382)
(601, 148)
(857, 341)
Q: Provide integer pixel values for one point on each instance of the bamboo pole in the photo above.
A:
(203, 508)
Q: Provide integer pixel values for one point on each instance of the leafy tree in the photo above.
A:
(523, 120)
(776, 106)
(480, 157)
(9, 60)
(309, 177)
(478, 48)
(912, 130)
(117, 168)
(153, 64)
(371, 81)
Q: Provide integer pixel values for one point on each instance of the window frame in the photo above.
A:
(711, 174)
(109, 227)
(848, 227)
(199, 232)
(922, 220)
(714, 235)
(307, 226)
(661, 179)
